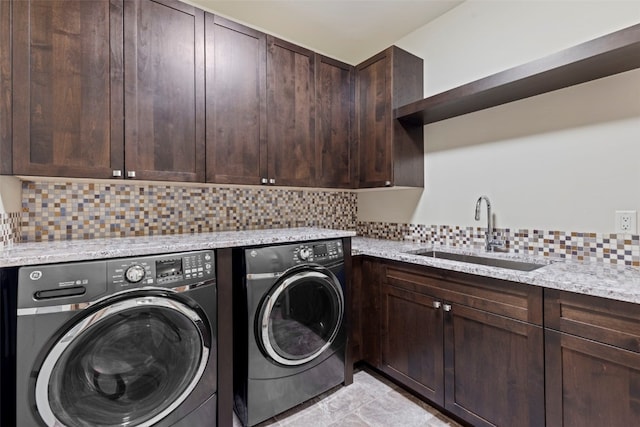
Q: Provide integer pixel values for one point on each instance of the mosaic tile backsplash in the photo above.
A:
(9, 228)
(623, 249)
(64, 211)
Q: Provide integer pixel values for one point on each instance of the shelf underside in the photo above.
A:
(605, 56)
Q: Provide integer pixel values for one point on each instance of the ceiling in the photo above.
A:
(348, 30)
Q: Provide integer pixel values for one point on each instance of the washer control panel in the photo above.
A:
(318, 251)
(161, 270)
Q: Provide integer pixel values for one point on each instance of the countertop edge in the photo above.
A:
(36, 253)
(621, 283)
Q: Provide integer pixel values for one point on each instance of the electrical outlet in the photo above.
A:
(626, 222)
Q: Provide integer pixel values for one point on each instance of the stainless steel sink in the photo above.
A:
(475, 259)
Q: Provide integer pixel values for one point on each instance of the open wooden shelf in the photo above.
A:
(605, 56)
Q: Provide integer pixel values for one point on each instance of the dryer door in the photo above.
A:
(301, 316)
(130, 363)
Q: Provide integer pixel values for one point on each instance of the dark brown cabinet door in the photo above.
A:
(164, 90)
(236, 102)
(590, 383)
(290, 113)
(336, 152)
(390, 153)
(592, 353)
(412, 341)
(67, 87)
(376, 149)
(494, 369)
(453, 342)
(6, 151)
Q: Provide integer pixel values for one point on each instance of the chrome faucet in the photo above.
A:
(491, 244)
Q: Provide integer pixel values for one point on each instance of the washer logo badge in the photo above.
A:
(253, 254)
(35, 275)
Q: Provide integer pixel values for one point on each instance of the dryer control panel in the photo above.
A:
(275, 260)
(318, 251)
(162, 270)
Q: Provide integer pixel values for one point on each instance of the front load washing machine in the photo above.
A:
(289, 329)
(120, 342)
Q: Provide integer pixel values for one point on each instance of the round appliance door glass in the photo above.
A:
(301, 316)
(129, 364)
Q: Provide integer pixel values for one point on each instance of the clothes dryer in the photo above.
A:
(289, 328)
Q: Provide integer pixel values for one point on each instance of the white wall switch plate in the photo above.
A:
(626, 222)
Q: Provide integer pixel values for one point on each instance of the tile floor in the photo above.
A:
(371, 401)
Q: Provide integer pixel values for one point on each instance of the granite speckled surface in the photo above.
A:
(77, 250)
(590, 278)
(597, 279)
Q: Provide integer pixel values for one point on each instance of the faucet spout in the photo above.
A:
(490, 242)
(478, 204)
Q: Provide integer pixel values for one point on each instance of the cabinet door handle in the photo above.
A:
(131, 174)
(387, 183)
(117, 173)
(437, 304)
(264, 181)
(272, 181)
(446, 307)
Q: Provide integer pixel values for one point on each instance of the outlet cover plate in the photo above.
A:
(626, 222)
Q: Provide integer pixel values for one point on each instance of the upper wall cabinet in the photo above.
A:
(390, 152)
(89, 103)
(164, 90)
(290, 113)
(6, 161)
(336, 151)
(236, 102)
(67, 88)
(116, 88)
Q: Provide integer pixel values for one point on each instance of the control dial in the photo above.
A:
(304, 253)
(134, 274)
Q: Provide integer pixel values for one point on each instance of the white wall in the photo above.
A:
(10, 194)
(565, 160)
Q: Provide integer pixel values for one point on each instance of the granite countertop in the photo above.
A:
(79, 250)
(597, 279)
(590, 278)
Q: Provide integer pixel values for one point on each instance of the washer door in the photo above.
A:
(301, 316)
(130, 363)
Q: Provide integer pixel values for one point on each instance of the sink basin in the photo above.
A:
(475, 259)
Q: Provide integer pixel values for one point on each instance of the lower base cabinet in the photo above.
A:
(478, 347)
(590, 383)
(494, 373)
(592, 358)
(412, 341)
(477, 363)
